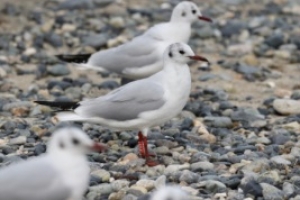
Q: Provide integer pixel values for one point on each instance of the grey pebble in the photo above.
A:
(270, 192)
(58, 70)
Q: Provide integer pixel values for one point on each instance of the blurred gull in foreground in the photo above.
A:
(60, 174)
(142, 56)
(140, 104)
(169, 193)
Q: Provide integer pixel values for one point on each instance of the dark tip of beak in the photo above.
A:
(205, 18)
(199, 58)
(99, 147)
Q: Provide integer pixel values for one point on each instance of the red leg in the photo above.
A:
(141, 143)
(143, 148)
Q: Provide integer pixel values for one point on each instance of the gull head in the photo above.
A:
(187, 11)
(181, 53)
(72, 140)
(169, 193)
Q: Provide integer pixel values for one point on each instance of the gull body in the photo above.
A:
(143, 103)
(142, 56)
(62, 173)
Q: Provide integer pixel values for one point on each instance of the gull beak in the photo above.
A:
(199, 58)
(205, 18)
(98, 147)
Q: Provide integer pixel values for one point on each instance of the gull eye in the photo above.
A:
(75, 141)
(183, 14)
(194, 11)
(181, 52)
(170, 54)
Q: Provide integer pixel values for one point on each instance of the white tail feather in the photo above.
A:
(68, 116)
(83, 66)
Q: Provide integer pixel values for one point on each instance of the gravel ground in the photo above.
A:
(238, 136)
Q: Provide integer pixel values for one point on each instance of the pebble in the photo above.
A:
(58, 70)
(96, 40)
(270, 192)
(54, 39)
(102, 174)
(275, 40)
(117, 22)
(219, 122)
(147, 184)
(287, 106)
(280, 160)
(18, 140)
(202, 166)
(213, 186)
(76, 4)
(176, 167)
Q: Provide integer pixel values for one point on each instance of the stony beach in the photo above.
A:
(238, 136)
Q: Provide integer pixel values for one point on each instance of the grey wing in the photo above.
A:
(34, 179)
(125, 103)
(139, 52)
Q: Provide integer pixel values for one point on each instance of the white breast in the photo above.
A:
(74, 173)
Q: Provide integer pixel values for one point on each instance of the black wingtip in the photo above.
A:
(62, 105)
(80, 58)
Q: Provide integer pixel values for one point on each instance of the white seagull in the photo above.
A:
(169, 193)
(142, 56)
(62, 173)
(140, 104)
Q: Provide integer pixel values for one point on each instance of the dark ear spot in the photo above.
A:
(183, 14)
(61, 145)
(170, 54)
(75, 141)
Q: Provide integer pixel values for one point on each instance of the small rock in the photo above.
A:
(287, 106)
(96, 41)
(148, 184)
(213, 186)
(104, 188)
(174, 168)
(293, 126)
(18, 140)
(54, 39)
(202, 166)
(102, 174)
(270, 192)
(246, 114)
(59, 70)
(39, 149)
(117, 22)
(218, 122)
(280, 160)
(288, 189)
(275, 40)
(119, 184)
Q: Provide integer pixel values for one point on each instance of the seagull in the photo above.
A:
(62, 173)
(169, 193)
(142, 56)
(140, 104)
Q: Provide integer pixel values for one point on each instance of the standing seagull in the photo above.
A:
(60, 174)
(142, 56)
(140, 104)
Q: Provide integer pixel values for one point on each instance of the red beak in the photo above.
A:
(99, 147)
(199, 58)
(205, 18)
